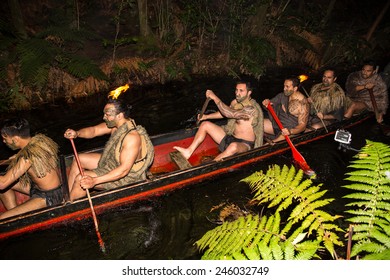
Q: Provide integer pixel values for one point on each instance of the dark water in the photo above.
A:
(166, 227)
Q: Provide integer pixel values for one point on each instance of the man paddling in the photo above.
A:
(291, 107)
(359, 84)
(243, 131)
(126, 156)
(32, 171)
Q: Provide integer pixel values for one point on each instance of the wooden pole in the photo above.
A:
(203, 110)
(101, 243)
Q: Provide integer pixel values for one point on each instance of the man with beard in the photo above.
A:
(327, 101)
(32, 171)
(243, 131)
(292, 109)
(359, 84)
(126, 156)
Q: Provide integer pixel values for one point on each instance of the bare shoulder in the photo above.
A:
(133, 137)
(300, 96)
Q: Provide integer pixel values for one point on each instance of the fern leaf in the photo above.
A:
(252, 253)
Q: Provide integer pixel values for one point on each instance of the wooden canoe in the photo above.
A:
(164, 175)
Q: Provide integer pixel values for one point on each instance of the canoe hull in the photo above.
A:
(165, 177)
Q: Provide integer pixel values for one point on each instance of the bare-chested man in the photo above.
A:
(32, 171)
(292, 109)
(243, 131)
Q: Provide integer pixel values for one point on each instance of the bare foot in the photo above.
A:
(185, 152)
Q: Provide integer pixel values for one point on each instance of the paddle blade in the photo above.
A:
(306, 169)
(298, 158)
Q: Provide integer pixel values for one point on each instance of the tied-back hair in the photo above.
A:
(16, 127)
(294, 80)
(120, 106)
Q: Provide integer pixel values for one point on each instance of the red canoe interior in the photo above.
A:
(162, 161)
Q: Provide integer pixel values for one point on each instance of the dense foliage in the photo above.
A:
(92, 45)
(298, 227)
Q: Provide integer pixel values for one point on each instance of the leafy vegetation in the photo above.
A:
(296, 225)
(298, 229)
(218, 37)
(370, 206)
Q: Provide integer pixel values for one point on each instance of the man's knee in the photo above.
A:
(233, 148)
(206, 125)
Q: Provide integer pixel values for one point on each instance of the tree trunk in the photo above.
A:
(329, 10)
(257, 21)
(17, 19)
(376, 22)
(144, 28)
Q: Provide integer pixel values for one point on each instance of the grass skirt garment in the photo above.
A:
(42, 153)
(379, 90)
(257, 122)
(327, 101)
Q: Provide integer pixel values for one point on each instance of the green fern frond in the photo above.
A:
(370, 206)
(384, 255)
(270, 237)
(367, 247)
(35, 57)
(307, 250)
(82, 67)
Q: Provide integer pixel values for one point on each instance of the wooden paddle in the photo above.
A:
(206, 103)
(373, 101)
(385, 128)
(101, 243)
(4, 162)
(315, 109)
(296, 155)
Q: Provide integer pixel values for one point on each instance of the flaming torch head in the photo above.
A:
(302, 78)
(116, 92)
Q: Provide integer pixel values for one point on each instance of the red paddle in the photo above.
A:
(101, 243)
(298, 158)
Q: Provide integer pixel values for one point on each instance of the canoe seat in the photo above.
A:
(180, 161)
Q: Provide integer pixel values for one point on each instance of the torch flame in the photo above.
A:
(303, 78)
(116, 92)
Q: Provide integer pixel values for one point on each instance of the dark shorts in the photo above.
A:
(53, 197)
(228, 139)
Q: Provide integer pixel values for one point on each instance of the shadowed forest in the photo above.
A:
(52, 50)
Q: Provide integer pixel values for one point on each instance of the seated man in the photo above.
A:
(292, 109)
(359, 84)
(32, 171)
(244, 130)
(326, 101)
(126, 156)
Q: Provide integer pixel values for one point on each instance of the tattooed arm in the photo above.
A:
(244, 113)
(300, 108)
